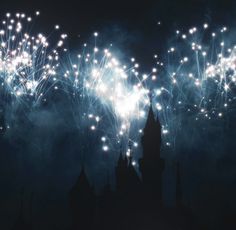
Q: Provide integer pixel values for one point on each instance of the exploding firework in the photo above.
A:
(115, 96)
(198, 81)
(26, 64)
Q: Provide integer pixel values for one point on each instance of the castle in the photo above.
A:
(137, 202)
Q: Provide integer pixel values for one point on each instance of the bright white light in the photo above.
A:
(105, 148)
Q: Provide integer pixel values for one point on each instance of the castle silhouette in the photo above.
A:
(136, 203)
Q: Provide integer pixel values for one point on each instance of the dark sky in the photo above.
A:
(126, 23)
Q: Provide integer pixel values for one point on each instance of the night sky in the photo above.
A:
(43, 153)
(135, 22)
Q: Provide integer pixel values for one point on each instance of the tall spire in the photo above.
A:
(152, 165)
(151, 121)
(82, 202)
(151, 139)
(121, 170)
(82, 179)
(150, 118)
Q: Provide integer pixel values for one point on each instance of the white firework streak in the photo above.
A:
(26, 65)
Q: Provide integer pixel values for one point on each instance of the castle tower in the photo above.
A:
(152, 165)
(82, 203)
(121, 173)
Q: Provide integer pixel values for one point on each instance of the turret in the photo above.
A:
(121, 173)
(152, 165)
(82, 203)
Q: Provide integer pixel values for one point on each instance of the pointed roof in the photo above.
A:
(151, 121)
(83, 180)
(151, 138)
(82, 183)
(150, 117)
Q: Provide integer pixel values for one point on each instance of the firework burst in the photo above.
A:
(115, 94)
(197, 81)
(26, 65)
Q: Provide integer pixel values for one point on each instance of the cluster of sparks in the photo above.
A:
(194, 78)
(198, 78)
(118, 89)
(26, 65)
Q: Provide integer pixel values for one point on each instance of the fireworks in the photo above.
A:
(26, 65)
(196, 80)
(115, 95)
